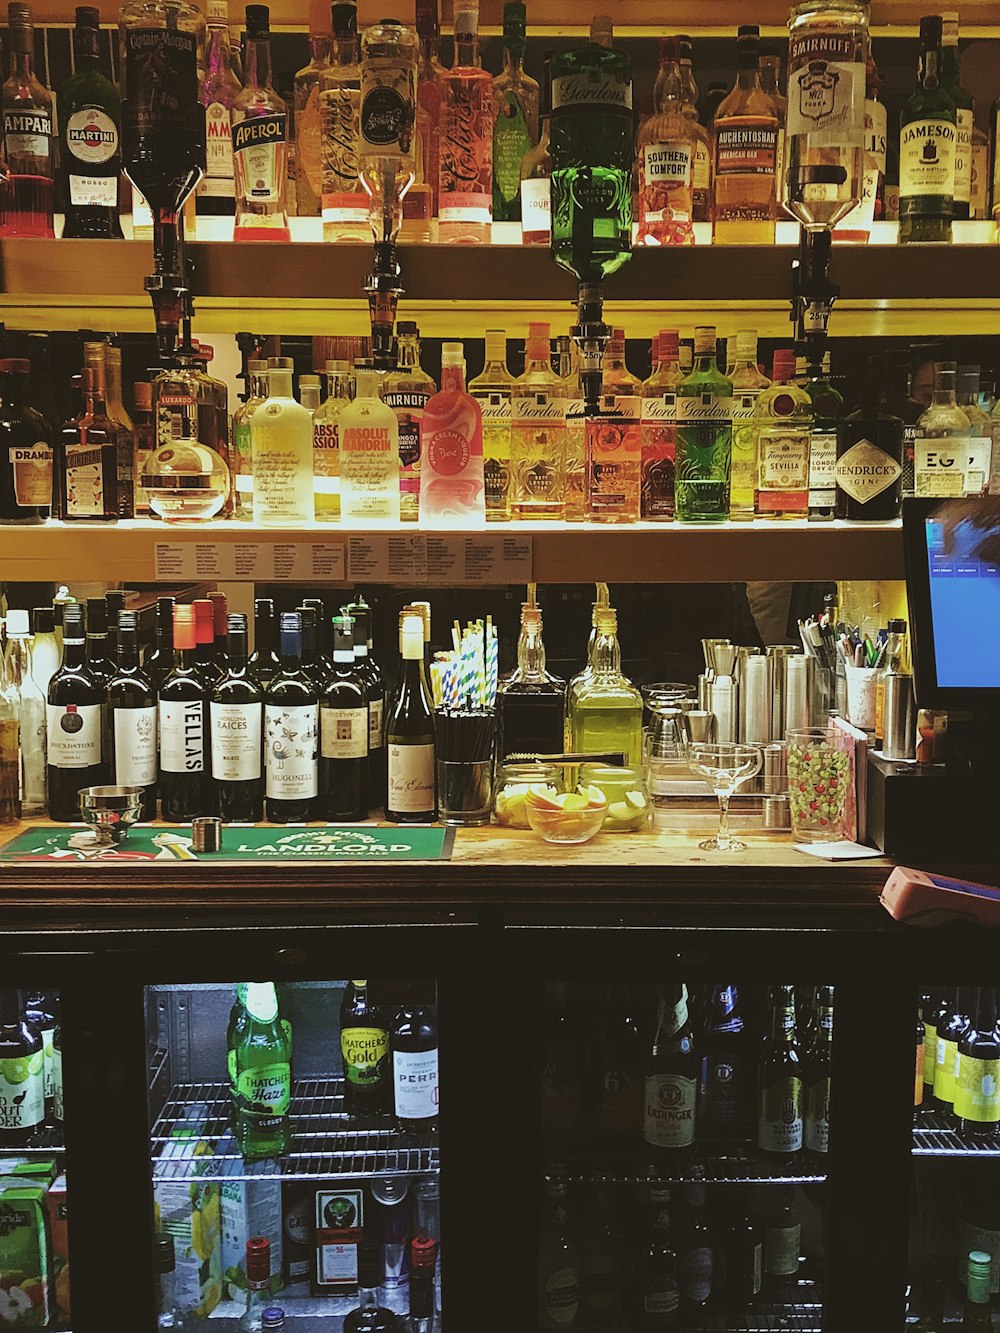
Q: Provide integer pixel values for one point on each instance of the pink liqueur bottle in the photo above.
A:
(465, 138)
(452, 488)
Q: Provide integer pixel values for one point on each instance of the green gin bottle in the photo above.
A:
(262, 1073)
(704, 436)
(515, 116)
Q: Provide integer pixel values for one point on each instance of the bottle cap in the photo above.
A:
(257, 366)
(164, 610)
(949, 28)
(142, 396)
(670, 49)
(97, 615)
(466, 19)
(452, 354)
(278, 362)
(423, 1252)
(537, 342)
(897, 626)
(163, 1253)
(496, 344)
(17, 623)
(407, 328)
(43, 620)
(784, 363)
(669, 340)
(258, 21)
(15, 365)
(217, 11)
(687, 47)
(337, 368)
(343, 635)
(748, 30)
(19, 16)
(704, 338)
(258, 1259)
(219, 612)
(746, 344)
(931, 29)
(344, 20)
(204, 619)
(602, 29)
(184, 627)
(72, 621)
(237, 622)
(273, 1318)
(514, 21)
(88, 16)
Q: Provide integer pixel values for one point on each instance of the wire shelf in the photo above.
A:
(719, 1164)
(192, 1137)
(934, 1137)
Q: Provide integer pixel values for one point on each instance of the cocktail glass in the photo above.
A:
(723, 766)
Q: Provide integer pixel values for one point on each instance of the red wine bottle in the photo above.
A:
(74, 718)
(183, 713)
(291, 726)
(235, 724)
(131, 719)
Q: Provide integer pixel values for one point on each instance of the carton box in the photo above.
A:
(249, 1208)
(25, 1257)
(189, 1209)
(338, 1216)
(59, 1235)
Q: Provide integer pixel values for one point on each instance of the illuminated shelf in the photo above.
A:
(310, 288)
(561, 552)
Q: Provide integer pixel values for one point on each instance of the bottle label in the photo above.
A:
(865, 471)
(161, 75)
(826, 89)
(73, 735)
(408, 405)
(664, 184)
(964, 122)
(930, 1054)
(364, 1052)
(411, 779)
(387, 118)
(614, 450)
(746, 146)
(182, 739)
(260, 143)
(562, 1296)
(980, 457)
(784, 460)
(536, 407)
(926, 159)
(944, 1070)
(816, 1134)
(704, 407)
(22, 1091)
(822, 469)
(661, 1298)
(236, 741)
(57, 1084)
(415, 1084)
(343, 733)
(92, 136)
(695, 1271)
(939, 465)
(265, 1089)
(670, 1105)
(465, 206)
(701, 171)
(979, 185)
(290, 734)
(27, 131)
(721, 1091)
(511, 140)
(218, 150)
(977, 1090)
(782, 1247)
(591, 88)
(84, 480)
(135, 746)
(32, 468)
(93, 191)
(779, 1126)
(375, 710)
(369, 470)
(536, 207)
(340, 112)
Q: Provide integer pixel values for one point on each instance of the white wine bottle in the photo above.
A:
(410, 793)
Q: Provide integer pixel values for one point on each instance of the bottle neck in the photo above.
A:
(319, 48)
(466, 50)
(748, 75)
(783, 1019)
(85, 51)
(12, 389)
(74, 652)
(513, 58)
(236, 653)
(345, 50)
(929, 74)
(607, 654)
(22, 62)
(531, 653)
(453, 379)
(220, 51)
(258, 73)
(430, 45)
(949, 65)
(128, 651)
(408, 352)
(263, 633)
(669, 87)
(944, 396)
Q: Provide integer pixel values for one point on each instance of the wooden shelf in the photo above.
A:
(308, 288)
(562, 553)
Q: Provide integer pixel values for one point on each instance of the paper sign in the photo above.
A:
(440, 558)
(837, 851)
(250, 562)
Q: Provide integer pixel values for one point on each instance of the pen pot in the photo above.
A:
(861, 696)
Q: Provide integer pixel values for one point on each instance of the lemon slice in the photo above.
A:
(636, 799)
(594, 796)
(574, 800)
(543, 797)
(621, 813)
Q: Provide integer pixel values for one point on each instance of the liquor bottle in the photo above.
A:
(263, 1077)
(606, 710)
(568, 364)
(410, 792)
(742, 1255)
(869, 465)
(308, 120)
(190, 404)
(672, 1075)
(782, 1245)
(659, 1290)
(769, 68)
(360, 614)
(26, 190)
(407, 390)
(368, 1316)
(613, 448)
(535, 171)
(31, 705)
(242, 452)
(465, 122)
(659, 429)
(45, 653)
(515, 116)
(85, 460)
(452, 486)
(704, 437)
(388, 143)
(979, 199)
(217, 191)
(696, 1247)
(90, 137)
(73, 722)
(492, 391)
(429, 74)
(39, 393)
(779, 1096)
(823, 176)
(42, 1014)
(946, 1001)
(130, 721)
(977, 1316)
(593, 154)
(26, 442)
(665, 152)
(941, 447)
(235, 712)
(326, 442)
(344, 733)
(748, 385)
(423, 1265)
(538, 434)
(951, 81)
(977, 1087)
(264, 662)
(746, 150)
(260, 141)
(816, 1078)
(159, 660)
(204, 641)
(583, 676)
(724, 1092)
(413, 1044)
(559, 1263)
(828, 406)
(145, 444)
(258, 1284)
(22, 1076)
(782, 428)
(281, 446)
(344, 202)
(291, 732)
(947, 1070)
(364, 1049)
(369, 455)
(979, 458)
(105, 361)
(183, 724)
(701, 166)
(856, 226)
(169, 1315)
(927, 141)
(531, 702)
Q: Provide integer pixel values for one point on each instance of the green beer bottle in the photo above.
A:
(262, 1075)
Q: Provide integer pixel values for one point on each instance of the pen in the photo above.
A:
(859, 656)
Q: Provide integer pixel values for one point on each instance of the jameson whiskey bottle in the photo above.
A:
(89, 128)
(364, 1048)
(672, 1075)
(869, 467)
(927, 141)
(263, 1075)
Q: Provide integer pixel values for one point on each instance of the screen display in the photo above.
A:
(963, 559)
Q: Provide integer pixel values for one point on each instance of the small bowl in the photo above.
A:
(111, 811)
(566, 826)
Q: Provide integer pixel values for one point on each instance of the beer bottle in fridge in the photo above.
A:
(364, 1048)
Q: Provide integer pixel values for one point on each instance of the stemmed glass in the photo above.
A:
(723, 766)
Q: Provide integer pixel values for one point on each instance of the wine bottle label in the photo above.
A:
(670, 1105)
(865, 470)
(218, 150)
(977, 1090)
(826, 88)
(562, 1296)
(27, 131)
(236, 741)
(182, 740)
(411, 779)
(73, 735)
(939, 465)
(926, 160)
(93, 191)
(816, 1128)
(591, 88)
(135, 746)
(290, 736)
(779, 1126)
(260, 142)
(364, 1052)
(31, 465)
(782, 1246)
(822, 469)
(963, 154)
(265, 1090)
(343, 733)
(536, 206)
(22, 1091)
(375, 710)
(84, 480)
(695, 1273)
(415, 1084)
(92, 136)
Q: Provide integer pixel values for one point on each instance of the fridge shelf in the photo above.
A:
(800, 1317)
(723, 1165)
(324, 1141)
(933, 1137)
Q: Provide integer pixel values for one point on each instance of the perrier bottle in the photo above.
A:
(779, 1105)
(262, 1074)
(364, 1046)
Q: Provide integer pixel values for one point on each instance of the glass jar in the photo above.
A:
(511, 787)
(186, 480)
(627, 791)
